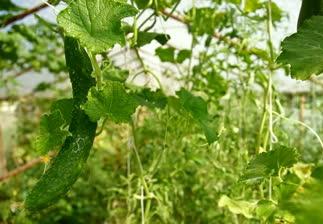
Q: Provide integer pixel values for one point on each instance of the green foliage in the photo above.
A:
(269, 163)
(53, 131)
(170, 54)
(112, 102)
(310, 8)
(181, 158)
(205, 20)
(144, 38)
(305, 60)
(306, 203)
(68, 164)
(166, 54)
(152, 99)
(197, 108)
(96, 24)
(237, 207)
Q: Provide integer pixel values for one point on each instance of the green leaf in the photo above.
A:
(52, 132)
(146, 37)
(265, 209)
(152, 99)
(65, 106)
(244, 208)
(166, 54)
(112, 102)
(197, 107)
(268, 163)
(96, 23)
(183, 55)
(113, 73)
(304, 49)
(7, 5)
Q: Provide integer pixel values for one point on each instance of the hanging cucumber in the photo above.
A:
(310, 8)
(67, 165)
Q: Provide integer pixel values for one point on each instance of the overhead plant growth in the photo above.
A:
(208, 139)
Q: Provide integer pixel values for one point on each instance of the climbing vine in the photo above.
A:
(214, 111)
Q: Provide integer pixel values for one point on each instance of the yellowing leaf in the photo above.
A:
(244, 208)
(96, 23)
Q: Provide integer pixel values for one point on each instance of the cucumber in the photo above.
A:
(310, 8)
(67, 165)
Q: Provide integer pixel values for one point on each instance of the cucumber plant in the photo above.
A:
(67, 165)
(250, 174)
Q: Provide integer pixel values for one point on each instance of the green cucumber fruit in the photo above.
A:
(67, 165)
(310, 8)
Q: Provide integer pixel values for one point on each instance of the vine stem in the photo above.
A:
(272, 137)
(26, 166)
(96, 69)
(192, 48)
(24, 14)
(303, 124)
(141, 171)
(146, 70)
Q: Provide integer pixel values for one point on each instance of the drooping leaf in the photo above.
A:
(268, 163)
(96, 23)
(112, 102)
(197, 108)
(147, 37)
(304, 49)
(244, 208)
(52, 132)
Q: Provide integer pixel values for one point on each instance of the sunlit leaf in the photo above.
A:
(268, 163)
(96, 23)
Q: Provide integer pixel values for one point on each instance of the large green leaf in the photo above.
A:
(112, 102)
(96, 23)
(268, 163)
(304, 49)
